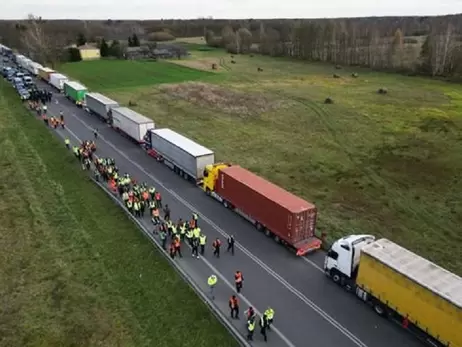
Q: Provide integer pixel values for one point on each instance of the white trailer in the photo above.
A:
(131, 123)
(25, 63)
(33, 68)
(100, 105)
(186, 157)
(57, 80)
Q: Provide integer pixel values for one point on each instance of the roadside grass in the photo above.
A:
(75, 271)
(102, 75)
(388, 165)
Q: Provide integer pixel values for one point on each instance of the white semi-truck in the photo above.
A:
(184, 156)
(421, 296)
(131, 123)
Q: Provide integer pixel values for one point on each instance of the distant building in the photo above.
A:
(88, 52)
(155, 51)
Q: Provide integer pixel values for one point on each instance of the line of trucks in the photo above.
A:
(398, 284)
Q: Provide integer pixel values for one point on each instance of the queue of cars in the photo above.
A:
(21, 80)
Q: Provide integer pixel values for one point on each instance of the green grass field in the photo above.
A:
(74, 271)
(388, 165)
(122, 74)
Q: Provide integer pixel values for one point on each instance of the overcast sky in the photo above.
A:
(156, 9)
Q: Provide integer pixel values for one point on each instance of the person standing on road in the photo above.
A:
(263, 326)
(67, 143)
(269, 313)
(172, 250)
(177, 244)
(195, 247)
(250, 313)
(202, 243)
(230, 244)
(216, 245)
(238, 279)
(250, 329)
(163, 238)
(195, 217)
(212, 282)
(234, 307)
(166, 212)
(95, 133)
(158, 199)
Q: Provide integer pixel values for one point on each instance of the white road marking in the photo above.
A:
(244, 250)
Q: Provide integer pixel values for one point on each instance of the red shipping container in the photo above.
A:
(287, 216)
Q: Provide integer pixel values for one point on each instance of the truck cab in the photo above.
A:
(342, 260)
(211, 176)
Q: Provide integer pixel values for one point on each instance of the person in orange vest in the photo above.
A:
(177, 244)
(234, 307)
(216, 247)
(238, 279)
(158, 198)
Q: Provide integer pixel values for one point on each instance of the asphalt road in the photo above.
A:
(309, 309)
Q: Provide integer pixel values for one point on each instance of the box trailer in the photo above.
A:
(57, 80)
(25, 63)
(131, 123)
(184, 156)
(280, 214)
(44, 73)
(75, 91)
(100, 105)
(33, 67)
(420, 295)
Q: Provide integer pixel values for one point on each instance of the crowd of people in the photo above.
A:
(142, 200)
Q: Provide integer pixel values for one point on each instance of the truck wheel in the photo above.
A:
(259, 226)
(225, 204)
(379, 308)
(336, 277)
(277, 239)
(267, 233)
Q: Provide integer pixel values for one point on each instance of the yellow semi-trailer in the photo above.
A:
(420, 295)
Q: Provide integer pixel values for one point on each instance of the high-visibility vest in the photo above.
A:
(189, 234)
(194, 216)
(129, 204)
(152, 204)
(182, 229)
(202, 239)
(212, 280)
(251, 325)
(137, 206)
(197, 233)
(174, 230)
(269, 313)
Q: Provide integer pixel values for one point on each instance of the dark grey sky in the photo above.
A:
(155, 9)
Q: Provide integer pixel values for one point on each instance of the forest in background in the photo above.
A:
(414, 45)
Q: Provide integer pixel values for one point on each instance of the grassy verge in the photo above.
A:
(74, 270)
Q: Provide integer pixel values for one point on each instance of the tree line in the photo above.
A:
(427, 45)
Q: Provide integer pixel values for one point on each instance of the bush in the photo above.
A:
(382, 91)
(336, 76)
(233, 62)
(328, 101)
(260, 69)
(160, 36)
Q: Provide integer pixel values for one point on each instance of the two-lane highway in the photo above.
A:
(310, 310)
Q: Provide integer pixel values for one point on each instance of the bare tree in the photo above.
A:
(245, 40)
(41, 44)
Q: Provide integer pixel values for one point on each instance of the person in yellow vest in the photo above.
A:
(130, 206)
(250, 329)
(174, 231)
(152, 206)
(137, 207)
(202, 243)
(269, 313)
(212, 282)
(189, 236)
(196, 233)
(183, 231)
(169, 226)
